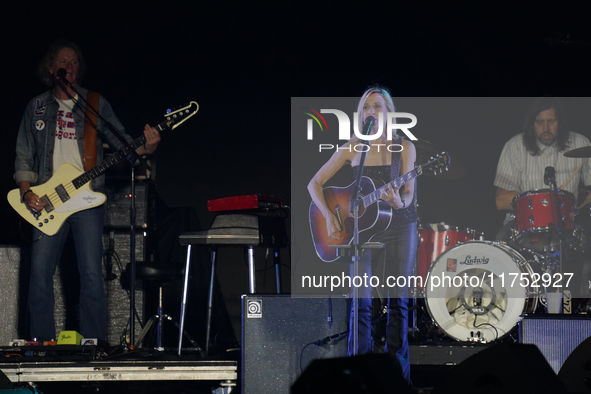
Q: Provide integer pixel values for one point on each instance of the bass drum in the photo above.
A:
(476, 291)
(434, 239)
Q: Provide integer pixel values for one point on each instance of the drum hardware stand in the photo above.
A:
(550, 179)
(413, 306)
(415, 292)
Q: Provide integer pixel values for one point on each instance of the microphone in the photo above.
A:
(549, 175)
(61, 73)
(325, 340)
(369, 121)
(61, 76)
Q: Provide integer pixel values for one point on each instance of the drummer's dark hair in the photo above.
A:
(529, 131)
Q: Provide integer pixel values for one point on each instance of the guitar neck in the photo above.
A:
(173, 119)
(396, 183)
(110, 161)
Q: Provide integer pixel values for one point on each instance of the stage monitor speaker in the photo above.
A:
(575, 373)
(504, 369)
(369, 373)
(555, 335)
(278, 336)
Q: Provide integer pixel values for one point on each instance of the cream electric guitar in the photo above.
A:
(68, 191)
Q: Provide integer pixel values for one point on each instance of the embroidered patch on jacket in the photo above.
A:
(39, 125)
(40, 107)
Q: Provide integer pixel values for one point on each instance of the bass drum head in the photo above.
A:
(471, 293)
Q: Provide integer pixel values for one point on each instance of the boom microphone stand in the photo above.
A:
(355, 257)
(133, 158)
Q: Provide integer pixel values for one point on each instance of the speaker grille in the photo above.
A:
(10, 257)
(275, 332)
(14, 279)
(555, 335)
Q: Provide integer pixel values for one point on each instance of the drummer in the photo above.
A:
(522, 165)
(543, 142)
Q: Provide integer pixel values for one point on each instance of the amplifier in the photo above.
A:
(118, 306)
(14, 284)
(119, 203)
(119, 241)
(278, 335)
(11, 294)
(555, 335)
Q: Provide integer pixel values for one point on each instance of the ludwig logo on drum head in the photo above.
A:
(469, 260)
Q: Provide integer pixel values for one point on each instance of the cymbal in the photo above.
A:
(579, 152)
(426, 150)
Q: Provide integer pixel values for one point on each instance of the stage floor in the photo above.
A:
(223, 373)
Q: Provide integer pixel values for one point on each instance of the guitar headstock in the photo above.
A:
(439, 162)
(177, 116)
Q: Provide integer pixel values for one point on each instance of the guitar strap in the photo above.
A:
(395, 169)
(90, 124)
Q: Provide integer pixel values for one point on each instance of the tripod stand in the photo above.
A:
(159, 274)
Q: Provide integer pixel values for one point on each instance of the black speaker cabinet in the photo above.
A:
(279, 335)
(555, 335)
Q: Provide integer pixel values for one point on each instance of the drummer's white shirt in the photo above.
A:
(518, 170)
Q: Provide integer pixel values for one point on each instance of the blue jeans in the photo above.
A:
(87, 229)
(399, 261)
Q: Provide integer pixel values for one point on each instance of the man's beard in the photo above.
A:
(545, 141)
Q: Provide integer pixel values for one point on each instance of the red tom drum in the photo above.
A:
(535, 219)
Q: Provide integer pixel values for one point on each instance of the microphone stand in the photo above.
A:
(133, 158)
(355, 240)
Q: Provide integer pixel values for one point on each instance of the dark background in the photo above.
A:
(243, 62)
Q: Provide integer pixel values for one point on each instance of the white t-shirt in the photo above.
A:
(66, 145)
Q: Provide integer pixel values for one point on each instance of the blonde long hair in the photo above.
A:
(382, 91)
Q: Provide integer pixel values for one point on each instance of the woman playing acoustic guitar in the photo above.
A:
(385, 161)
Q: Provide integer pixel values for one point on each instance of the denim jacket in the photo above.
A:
(36, 137)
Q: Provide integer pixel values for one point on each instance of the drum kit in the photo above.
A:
(475, 290)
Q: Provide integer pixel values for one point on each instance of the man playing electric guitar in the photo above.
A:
(400, 237)
(53, 132)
